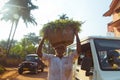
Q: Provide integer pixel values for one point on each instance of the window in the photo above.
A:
(108, 52)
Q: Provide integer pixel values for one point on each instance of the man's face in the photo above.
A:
(60, 50)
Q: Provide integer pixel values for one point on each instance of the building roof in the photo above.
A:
(112, 7)
(115, 23)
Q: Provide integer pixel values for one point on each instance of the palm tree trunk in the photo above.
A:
(16, 23)
(8, 41)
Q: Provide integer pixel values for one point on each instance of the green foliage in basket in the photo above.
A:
(61, 23)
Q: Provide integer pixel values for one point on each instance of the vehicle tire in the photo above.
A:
(20, 71)
(36, 71)
(42, 70)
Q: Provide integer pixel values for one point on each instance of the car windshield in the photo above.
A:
(108, 52)
(31, 58)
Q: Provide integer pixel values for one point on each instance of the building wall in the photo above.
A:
(115, 17)
(116, 32)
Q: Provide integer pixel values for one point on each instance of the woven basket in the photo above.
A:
(60, 36)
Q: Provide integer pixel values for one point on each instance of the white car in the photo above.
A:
(101, 59)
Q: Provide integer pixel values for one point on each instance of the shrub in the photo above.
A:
(2, 69)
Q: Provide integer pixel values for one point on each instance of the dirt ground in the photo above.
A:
(12, 74)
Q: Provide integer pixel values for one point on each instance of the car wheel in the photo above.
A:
(42, 69)
(36, 71)
(20, 71)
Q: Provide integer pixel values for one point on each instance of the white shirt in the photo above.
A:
(60, 69)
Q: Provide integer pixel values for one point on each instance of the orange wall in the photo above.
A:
(115, 17)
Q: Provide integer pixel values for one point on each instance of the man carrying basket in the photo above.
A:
(60, 65)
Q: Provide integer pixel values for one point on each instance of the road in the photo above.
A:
(12, 74)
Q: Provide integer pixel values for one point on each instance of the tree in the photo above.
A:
(32, 38)
(13, 10)
(29, 42)
(3, 44)
(63, 16)
(47, 48)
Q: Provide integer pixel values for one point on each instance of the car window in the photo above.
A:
(108, 54)
(31, 58)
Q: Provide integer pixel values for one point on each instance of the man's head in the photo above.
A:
(114, 57)
(60, 50)
(88, 53)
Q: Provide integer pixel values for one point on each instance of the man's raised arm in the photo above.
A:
(39, 49)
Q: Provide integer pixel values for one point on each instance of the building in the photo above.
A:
(114, 12)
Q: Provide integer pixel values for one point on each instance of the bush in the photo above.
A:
(2, 69)
(10, 62)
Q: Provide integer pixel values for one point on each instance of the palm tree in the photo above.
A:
(13, 11)
(63, 16)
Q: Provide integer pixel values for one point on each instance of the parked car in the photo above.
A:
(31, 63)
